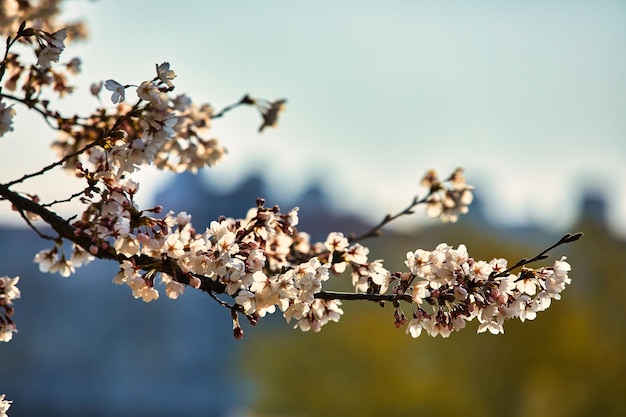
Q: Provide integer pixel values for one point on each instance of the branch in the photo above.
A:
(377, 230)
(567, 238)
(60, 225)
(244, 100)
(349, 296)
(31, 105)
(69, 232)
(103, 134)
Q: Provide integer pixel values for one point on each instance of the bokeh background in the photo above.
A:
(529, 97)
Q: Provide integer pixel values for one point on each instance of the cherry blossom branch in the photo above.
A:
(58, 224)
(354, 296)
(445, 199)
(347, 296)
(262, 262)
(67, 231)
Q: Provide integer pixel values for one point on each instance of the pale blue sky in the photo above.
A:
(528, 96)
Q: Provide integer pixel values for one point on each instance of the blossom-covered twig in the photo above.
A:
(444, 199)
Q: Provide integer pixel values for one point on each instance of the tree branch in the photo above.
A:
(349, 296)
(377, 230)
(567, 238)
(69, 232)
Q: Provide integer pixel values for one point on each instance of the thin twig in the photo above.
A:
(377, 230)
(219, 300)
(245, 100)
(349, 296)
(567, 238)
(32, 226)
(65, 200)
(29, 103)
(85, 148)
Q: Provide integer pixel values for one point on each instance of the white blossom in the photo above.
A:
(165, 74)
(119, 91)
(4, 405)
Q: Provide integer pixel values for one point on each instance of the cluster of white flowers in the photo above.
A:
(367, 277)
(52, 44)
(447, 199)
(8, 293)
(249, 259)
(161, 130)
(54, 260)
(459, 289)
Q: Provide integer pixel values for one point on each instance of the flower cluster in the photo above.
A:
(8, 293)
(458, 289)
(51, 46)
(251, 260)
(447, 199)
(367, 277)
(54, 260)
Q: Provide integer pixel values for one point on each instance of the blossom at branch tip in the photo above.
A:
(165, 74)
(119, 91)
(447, 199)
(56, 39)
(74, 66)
(271, 112)
(4, 405)
(52, 51)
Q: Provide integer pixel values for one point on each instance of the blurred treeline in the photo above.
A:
(570, 361)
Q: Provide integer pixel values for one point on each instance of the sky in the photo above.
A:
(529, 97)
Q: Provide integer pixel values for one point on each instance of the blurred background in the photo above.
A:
(529, 97)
